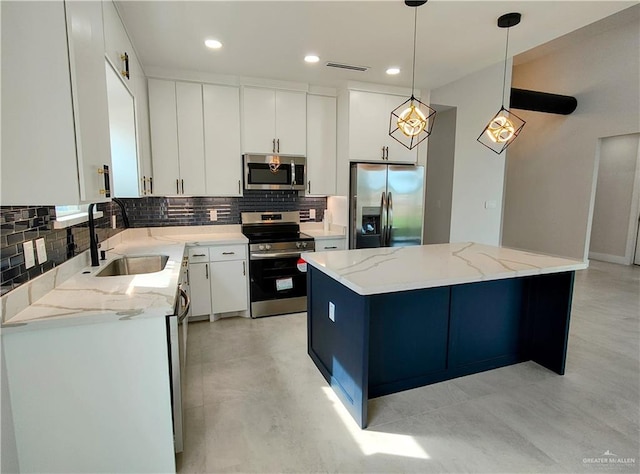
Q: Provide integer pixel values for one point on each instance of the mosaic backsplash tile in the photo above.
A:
(165, 211)
(19, 224)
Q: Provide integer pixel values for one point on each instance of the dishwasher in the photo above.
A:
(177, 325)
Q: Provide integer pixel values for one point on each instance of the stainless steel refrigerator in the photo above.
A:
(385, 205)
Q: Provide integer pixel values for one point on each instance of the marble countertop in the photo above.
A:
(84, 298)
(320, 234)
(391, 269)
(316, 230)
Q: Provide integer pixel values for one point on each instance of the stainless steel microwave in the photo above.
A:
(275, 172)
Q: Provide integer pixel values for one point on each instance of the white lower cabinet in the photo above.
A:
(229, 286)
(200, 288)
(219, 281)
(326, 245)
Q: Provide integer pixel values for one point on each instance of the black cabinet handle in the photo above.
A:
(206, 270)
(228, 253)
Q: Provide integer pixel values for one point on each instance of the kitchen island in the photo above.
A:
(390, 319)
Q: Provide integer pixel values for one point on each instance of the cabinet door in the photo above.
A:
(368, 125)
(229, 286)
(36, 99)
(397, 152)
(291, 123)
(122, 130)
(142, 126)
(258, 120)
(190, 138)
(369, 115)
(89, 92)
(321, 145)
(164, 136)
(116, 41)
(200, 288)
(223, 162)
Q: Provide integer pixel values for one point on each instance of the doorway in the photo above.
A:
(614, 231)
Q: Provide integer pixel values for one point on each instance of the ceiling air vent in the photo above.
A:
(351, 67)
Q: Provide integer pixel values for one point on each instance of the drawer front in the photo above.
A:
(227, 252)
(198, 254)
(331, 244)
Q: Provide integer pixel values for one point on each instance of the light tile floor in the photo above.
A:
(256, 403)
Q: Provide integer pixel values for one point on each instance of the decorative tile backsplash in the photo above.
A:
(19, 224)
(164, 211)
(28, 223)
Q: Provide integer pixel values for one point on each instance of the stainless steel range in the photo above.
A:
(278, 276)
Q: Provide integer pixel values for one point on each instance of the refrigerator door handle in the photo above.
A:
(383, 219)
(389, 218)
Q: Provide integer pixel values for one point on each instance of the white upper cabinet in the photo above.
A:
(32, 169)
(89, 92)
(177, 142)
(117, 48)
(116, 42)
(291, 122)
(369, 139)
(274, 121)
(190, 138)
(223, 162)
(142, 127)
(321, 145)
(55, 129)
(164, 136)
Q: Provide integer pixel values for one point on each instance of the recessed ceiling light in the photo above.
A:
(311, 58)
(213, 44)
(392, 71)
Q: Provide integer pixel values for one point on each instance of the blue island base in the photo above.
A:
(380, 344)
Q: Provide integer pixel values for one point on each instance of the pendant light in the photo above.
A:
(505, 126)
(411, 122)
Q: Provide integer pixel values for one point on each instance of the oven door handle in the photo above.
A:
(267, 256)
(187, 303)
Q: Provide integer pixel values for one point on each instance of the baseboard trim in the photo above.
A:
(609, 258)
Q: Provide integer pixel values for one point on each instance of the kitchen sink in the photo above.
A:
(134, 265)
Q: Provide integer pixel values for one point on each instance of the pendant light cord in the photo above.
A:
(415, 34)
(504, 74)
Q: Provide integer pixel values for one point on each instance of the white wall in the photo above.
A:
(552, 165)
(339, 208)
(615, 210)
(439, 188)
(478, 173)
(8, 451)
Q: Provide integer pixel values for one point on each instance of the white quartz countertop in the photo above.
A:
(391, 269)
(85, 298)
(320, 234)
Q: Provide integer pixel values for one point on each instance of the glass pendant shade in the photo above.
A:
(411, 122)
(501, 131)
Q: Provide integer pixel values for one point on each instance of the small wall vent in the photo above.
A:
(351, 67)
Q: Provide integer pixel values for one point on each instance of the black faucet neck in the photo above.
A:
(93, 238)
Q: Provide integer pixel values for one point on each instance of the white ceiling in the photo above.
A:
(269, 39)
